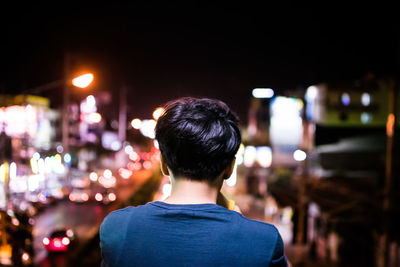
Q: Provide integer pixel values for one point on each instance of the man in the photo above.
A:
(198, 139)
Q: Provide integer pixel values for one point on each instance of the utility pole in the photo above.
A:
(387, 201)
(307, 145)
(122, 115)
(65, 111)
(302, 196)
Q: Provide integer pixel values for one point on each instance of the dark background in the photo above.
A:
(162, 51)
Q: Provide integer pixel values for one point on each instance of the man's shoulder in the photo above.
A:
(120, 212)
(123, 213)
(255, 223)
(264, 237)
(120, 216)
(258, 228)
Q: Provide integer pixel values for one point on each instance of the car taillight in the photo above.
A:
(57, 243)
(85, 197)
(112, 197)
(98, 197)
(70, 233)
(46, 241)
(25, 257)
(65, 241)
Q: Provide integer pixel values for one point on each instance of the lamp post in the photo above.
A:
(81, 81)
(122, 115)
(384, 253)
(65, 114)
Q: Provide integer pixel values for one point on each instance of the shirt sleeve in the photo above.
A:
(278, 257)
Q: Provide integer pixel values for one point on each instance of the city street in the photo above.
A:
(84, 219)
(305, 100)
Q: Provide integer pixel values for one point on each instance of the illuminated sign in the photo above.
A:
(19, 120)
(286, 129)
(286, 122)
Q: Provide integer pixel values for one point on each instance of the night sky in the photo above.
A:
(163, 51)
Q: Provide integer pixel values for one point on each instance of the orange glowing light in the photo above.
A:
(158, 112)
(94, 117)
(390, 124)
(136, 123)
(25, 256)
(83, 81)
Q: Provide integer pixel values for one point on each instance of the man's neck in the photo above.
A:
(186, 191)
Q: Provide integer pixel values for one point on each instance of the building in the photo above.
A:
(347, 170)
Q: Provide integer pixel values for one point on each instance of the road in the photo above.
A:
(84, 219)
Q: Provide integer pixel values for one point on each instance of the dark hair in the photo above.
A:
(198, 137)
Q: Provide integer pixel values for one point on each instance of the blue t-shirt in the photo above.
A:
(161, 234)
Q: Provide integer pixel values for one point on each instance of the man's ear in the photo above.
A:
(229, 169)
(164, 167)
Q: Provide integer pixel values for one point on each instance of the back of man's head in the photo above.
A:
(198, 138)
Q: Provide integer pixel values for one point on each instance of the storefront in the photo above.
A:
(25, 130)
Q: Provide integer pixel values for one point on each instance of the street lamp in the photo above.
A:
(81, 81)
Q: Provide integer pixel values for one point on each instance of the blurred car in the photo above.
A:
(47, 197)
(55, 187)
(81, 182)
(79, 195)
(59, 240)
(105, 195)
(107, 181)
(80, 192)
(40, 199)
